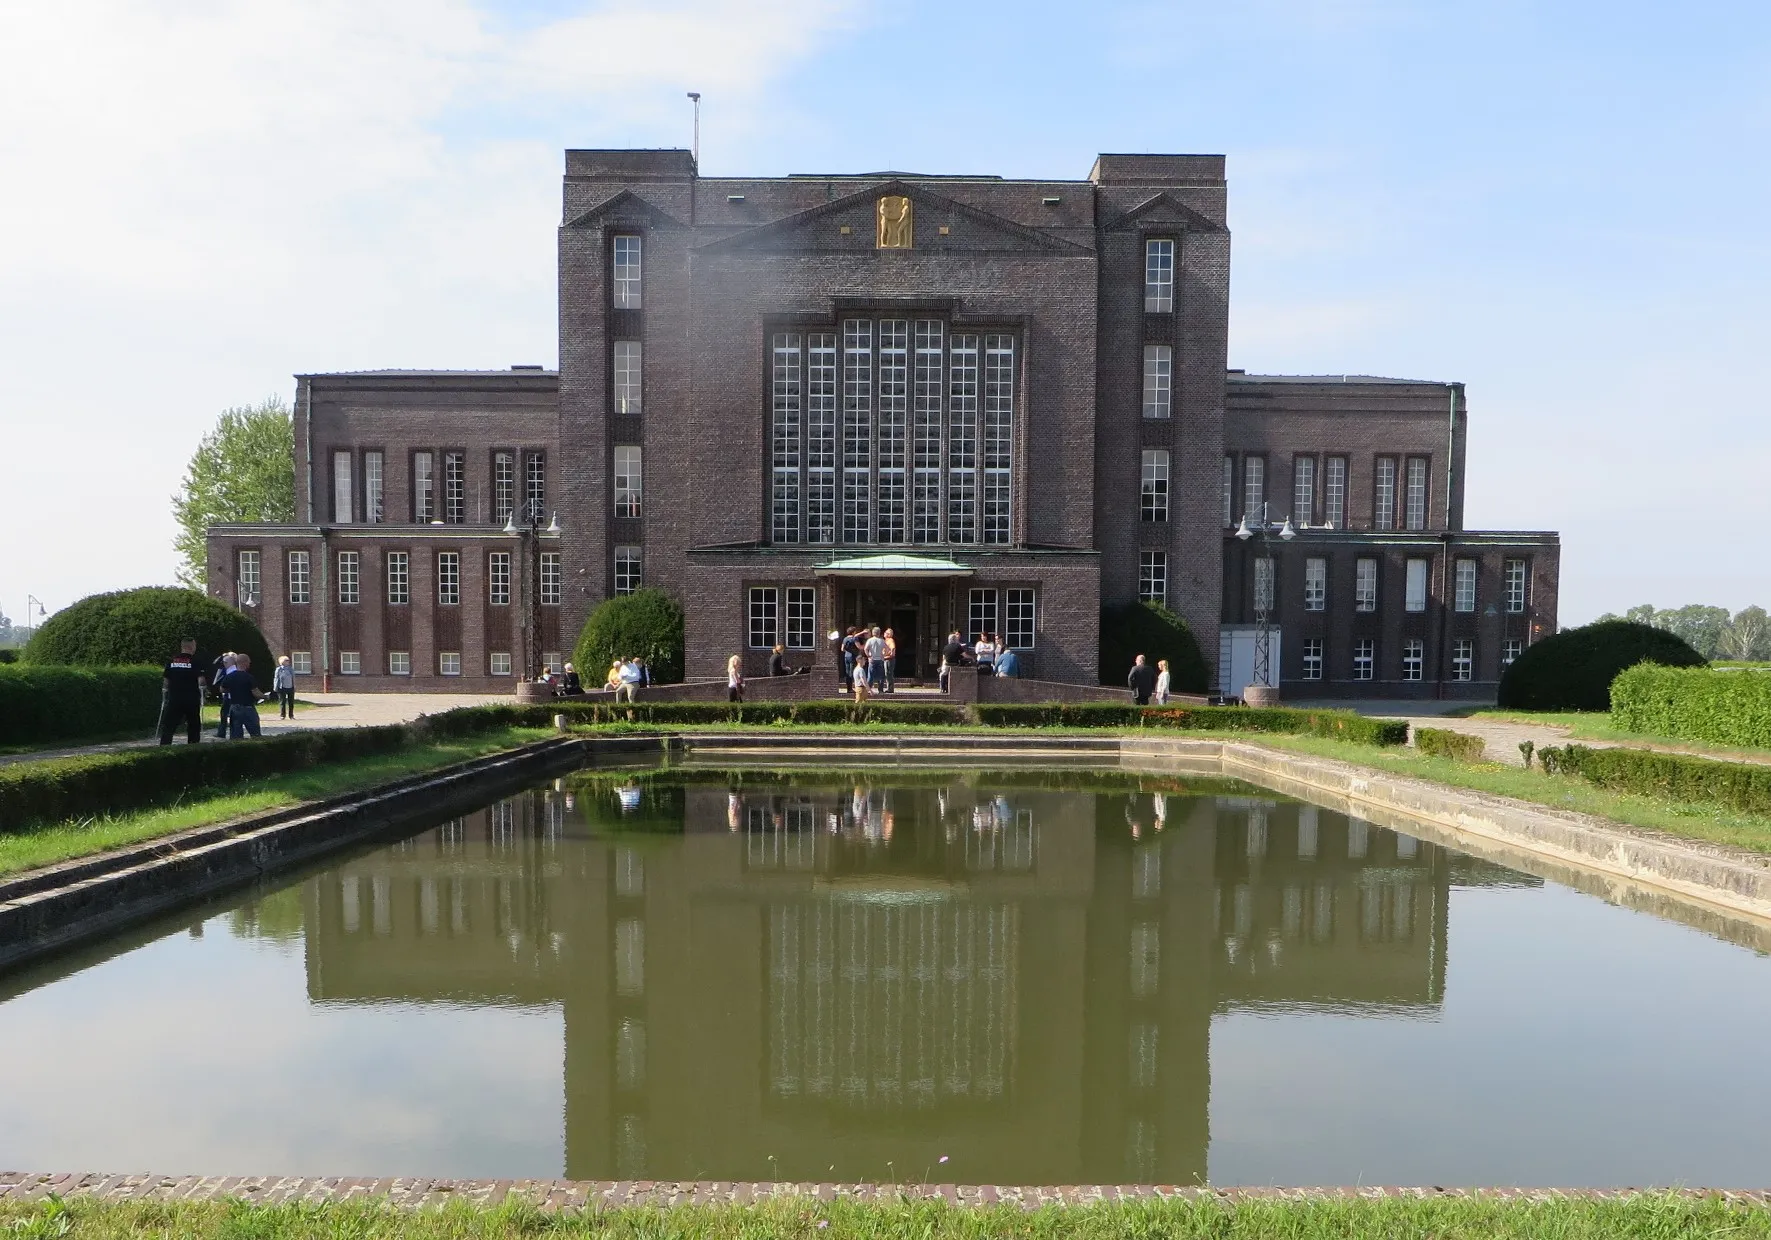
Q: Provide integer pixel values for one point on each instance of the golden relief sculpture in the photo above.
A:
(894, 223)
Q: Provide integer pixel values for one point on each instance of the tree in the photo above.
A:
(1152, 630)
(243, 470)
(1573, 669)
(1700, 626)
(145, 625)
(647, 624)
(1747, 635)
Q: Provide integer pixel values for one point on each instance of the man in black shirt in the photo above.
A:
(181, 694)
(1142, 680)
(952, 655)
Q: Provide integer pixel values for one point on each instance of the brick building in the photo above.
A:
(930, 402)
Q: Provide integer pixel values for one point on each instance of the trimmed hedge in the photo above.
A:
(1152, 630)
(1444, 743)
(1336, 724)
(647, 623)
(1698, 704)
(1742, 786)
(67, 703)
(1573, 670)
(145, 625)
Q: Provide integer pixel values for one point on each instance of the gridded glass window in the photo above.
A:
(1263, 584)
(1463, 658)
(894, 414)
(1229, 490)
(1303, 489)
(372, 487)
(857, 431)
(1153, 487)
(424, 488)
(449, 663)
(300, 574)
(1364, 585)
(962, 441)
(246, 579)
(627, 376)
(550, 659)
(1515, 579)
(627, 570)
(448, 578)
(535, 482)
(627, 481)
(1254, 486)
(1465, 595)
(350, 663)
(1153, 577)
(301, 662)
(1413, 655)
(1384, 502)
(348, 565)
(1364, 654)
(1414, 512)
(343, 511)
(455, 488)
(1315, 584)
(625, 271)
(1414, 593)
(550, 579)
(399, 663)
(999, 419)
(821, 437)
(1159, 275)
(764, 616)
(802, 617)
(1334, 493)
(498, 578)
(399, 577)
(1018, 618)
(1511, 649)
(925, 431)
(504, 486)
(981, 613)
(1312, 658)
(786, 437)
(498, 663)
(1159, 364)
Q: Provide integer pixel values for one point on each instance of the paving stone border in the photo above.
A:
(417, 1192)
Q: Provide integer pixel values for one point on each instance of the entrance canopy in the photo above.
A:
(893, 566)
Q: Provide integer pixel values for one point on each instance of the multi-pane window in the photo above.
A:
(999, 411)
(1229, 490)
(1364, 655)
(535, 482)
(1159, 275)
(498, 662)
(627, 480)
(925, 431)
(802, 617)
(894, 414)
(449, 662)
(343, 512)
(1463, 658)
(504, 486)
(1018, 618)
(372, 487)
(627, 376)
(1303, 489)
(627, 570)
(246, 579)
(1511, 649)
(857, 431)
(498, 578)
(301, 662)
(424, 488)
(300, 575)
(1159, 364)
(1364, 585)
(786, 437)
(962, 441)
(625, 271)
(1334, 493)
(1413, 655)
(348, 581)
(1515, 579)
(455, 487)
(981, 613)
(764, 616)
(1153, 485)
(399, 663)
(821, 437)
(448, 578)
(1312, 658)
(1414, 512)
(1414, 591)
(1153, 576)
(1263, 583)
(1315, 584)
(399, 577)
(1254, 486)
(1384, 502)
(1464, 597)
(551, 585)
(350, 662)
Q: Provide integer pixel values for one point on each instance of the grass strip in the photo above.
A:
(1596, 725)
(62, 841)
(1644, 1216)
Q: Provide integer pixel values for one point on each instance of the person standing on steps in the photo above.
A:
(875, 650)
(1142, 680)
(891, 661)
(181, 694)
(283, 685)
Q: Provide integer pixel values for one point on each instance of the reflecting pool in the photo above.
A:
(1006, 976)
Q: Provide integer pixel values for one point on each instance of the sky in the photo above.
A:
(1563, 205)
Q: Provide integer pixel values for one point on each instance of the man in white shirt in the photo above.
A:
(876, 656)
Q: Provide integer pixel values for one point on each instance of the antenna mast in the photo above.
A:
(695, 95)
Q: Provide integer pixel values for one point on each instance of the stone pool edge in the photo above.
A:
(424, 1192)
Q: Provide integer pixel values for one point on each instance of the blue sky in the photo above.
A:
(1563, 206)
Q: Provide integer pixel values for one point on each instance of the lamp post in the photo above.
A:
(1261, 690)
(529, 531)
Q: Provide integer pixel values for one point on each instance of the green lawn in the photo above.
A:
(1648, 1216)
(61, 841)
(1595, 725)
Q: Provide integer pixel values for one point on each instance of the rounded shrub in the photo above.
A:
(1574, 669)
(145, 625)
(647, 623)
(1155, 632)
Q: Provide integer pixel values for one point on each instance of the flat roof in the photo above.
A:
(513, 372)
(1238, 376)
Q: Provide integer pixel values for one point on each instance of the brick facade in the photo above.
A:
(1039, 287)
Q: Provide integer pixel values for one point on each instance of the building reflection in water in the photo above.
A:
(817, 977)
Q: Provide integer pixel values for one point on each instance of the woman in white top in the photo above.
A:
(985, 653)
(1162, 682)
(734, 680)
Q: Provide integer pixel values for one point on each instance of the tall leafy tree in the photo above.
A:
(1699, 625)
(243, 470)
(1748, 635)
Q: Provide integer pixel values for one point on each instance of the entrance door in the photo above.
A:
(906, 611)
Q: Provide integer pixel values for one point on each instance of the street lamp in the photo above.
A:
(1260, 688)
(531, 532)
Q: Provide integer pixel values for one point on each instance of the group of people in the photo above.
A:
(989, 654)
(1148, 684)
(869, 659)
(626, 678)
(184, 682)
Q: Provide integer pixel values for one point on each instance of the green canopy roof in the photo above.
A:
(895, 566)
